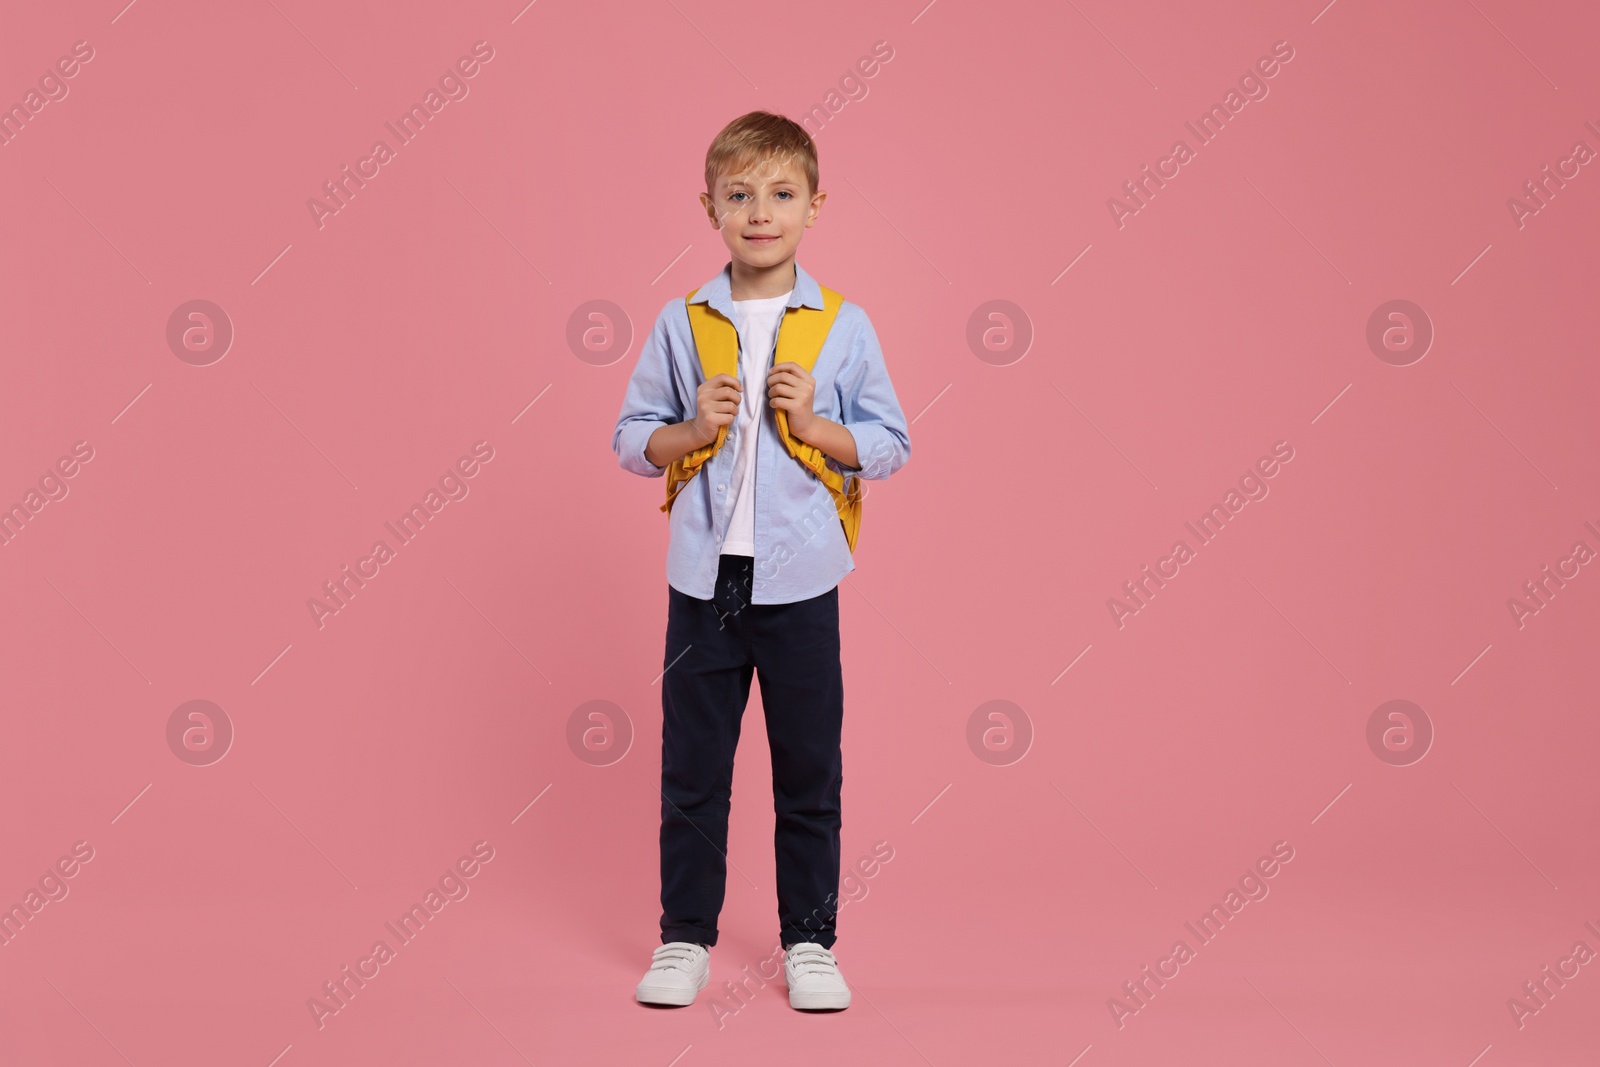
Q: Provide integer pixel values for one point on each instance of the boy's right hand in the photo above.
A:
(717, 404)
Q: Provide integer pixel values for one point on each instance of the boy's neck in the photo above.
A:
(761, 283)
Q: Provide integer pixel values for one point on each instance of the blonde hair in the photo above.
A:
(753, 137)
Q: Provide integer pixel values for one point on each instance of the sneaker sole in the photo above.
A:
(819, 1001)
(672, 996)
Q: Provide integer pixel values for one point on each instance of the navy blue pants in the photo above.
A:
(713, 647)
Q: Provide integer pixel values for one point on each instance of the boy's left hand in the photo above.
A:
(791, 388)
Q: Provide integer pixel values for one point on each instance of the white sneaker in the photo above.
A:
(813, 978)
(678, 970)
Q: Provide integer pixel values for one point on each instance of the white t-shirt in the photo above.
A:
(757, 323)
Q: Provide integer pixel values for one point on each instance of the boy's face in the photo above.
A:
(763, 211)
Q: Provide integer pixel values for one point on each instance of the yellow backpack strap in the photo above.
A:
(800, 341)
(717, 344)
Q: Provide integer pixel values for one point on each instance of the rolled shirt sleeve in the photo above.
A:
(869, 409)
(651, 402)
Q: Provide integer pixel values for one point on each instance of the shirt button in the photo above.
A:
(720, 488)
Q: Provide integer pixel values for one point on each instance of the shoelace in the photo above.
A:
(668, 957)
(812, 960)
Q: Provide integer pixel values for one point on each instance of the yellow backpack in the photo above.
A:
(801, 333)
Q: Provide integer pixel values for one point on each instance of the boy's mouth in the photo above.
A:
(761, 239)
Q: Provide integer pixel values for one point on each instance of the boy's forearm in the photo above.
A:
(677, 439)
(674, 441)
(833, 438)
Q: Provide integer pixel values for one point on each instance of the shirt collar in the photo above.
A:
(718, 292)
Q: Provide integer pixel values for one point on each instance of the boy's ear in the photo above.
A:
(816, 206)
(711, 210)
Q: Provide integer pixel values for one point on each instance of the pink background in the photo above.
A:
(1228, 314)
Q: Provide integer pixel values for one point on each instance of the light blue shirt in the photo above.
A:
(800, 547)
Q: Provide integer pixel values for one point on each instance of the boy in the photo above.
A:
(761, 535)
